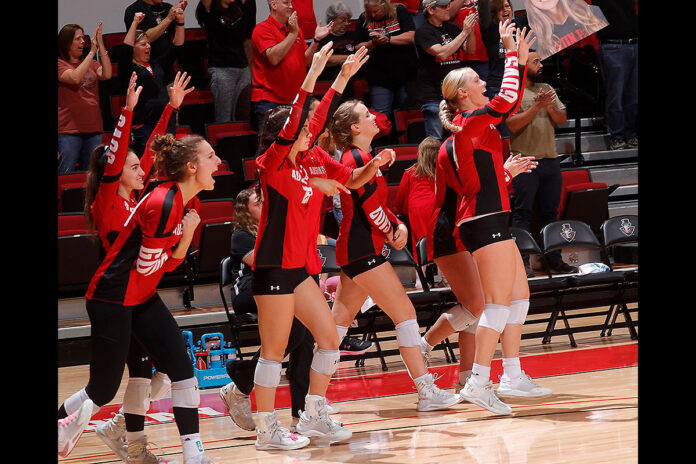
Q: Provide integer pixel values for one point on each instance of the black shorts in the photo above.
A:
(363, 264)
(478, 233)
(277, 280)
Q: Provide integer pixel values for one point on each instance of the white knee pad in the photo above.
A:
(74, 402)
(267, 373)
(136, 399)
(185, 393)
(407, 333)
(494, 317)
(518, 311)
(326, 361)
(342, 331)
(472, 328)
(159, 386)
(460, 318)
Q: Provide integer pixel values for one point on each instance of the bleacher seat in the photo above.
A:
(78, 258)
(72, 223)
(402, 118)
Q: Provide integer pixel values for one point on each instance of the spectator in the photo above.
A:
(478, 60)
(159, 22)
(388, 32)
(618, 62)
(152, 77)
(344, 44)
(532, 128)
(227, 24)
(305, 17)
(440, 46)
(80, 123)
(416, 194)
(280, 58)
(559, 24)
(415, 7)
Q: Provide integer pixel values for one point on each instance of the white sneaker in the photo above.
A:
(332, 409)
(139, 454)
(484, 397)
(200, 459)
(321, 425)
(270, 435)
(522, 386)
(70, 428)
(238, 406)
(113, 434)
(432, 398)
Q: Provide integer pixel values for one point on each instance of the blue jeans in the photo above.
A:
(433, 125)
(384, 100)
(619, 66)
(74, 148)
(142, 134)
(543, 184)
(258, 110)
(226, 84)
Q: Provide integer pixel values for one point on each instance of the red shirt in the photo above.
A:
(478, 148)
(411, 5)
(480, 54)
(416, 198)
(305, 16)
(278, 83)
(367, 220)
(78, 104)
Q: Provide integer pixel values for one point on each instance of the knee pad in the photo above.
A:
(326, 361)
(472, 328)
(494, 317)
(136, 399)
(74, 402)
(159, 386)
(407, 333)
(342, 331)
(518, 311)
(460, 318)
(185, 393)
(267, 373)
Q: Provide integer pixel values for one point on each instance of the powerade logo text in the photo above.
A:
(214, 377)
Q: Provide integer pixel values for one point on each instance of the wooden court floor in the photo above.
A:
(591, 417)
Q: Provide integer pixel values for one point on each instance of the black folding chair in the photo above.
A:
(228, 277)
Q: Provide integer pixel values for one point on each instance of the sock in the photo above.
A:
(192, 444)
(511, 367)
(311, 404)
(463, 375)
(261, 419)
(480, 375)
(132, 436)
(422, 380)
(425, 346)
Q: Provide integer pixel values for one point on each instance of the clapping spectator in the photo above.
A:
(388, 32)
(440, 44)
(159, 21)
(339, 15)
(80, 123)
(227, 23)
(478, 59)
(152, 76)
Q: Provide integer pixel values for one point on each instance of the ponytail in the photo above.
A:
(172, 155)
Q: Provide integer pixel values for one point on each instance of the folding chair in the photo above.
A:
(228, 277)
(78, 258)
(615, 232)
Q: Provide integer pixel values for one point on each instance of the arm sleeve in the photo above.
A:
(146, 161)
(116, 158)
(328, 105)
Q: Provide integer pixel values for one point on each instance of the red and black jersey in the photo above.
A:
(291, 210)
(367, 220)
(478, 148)
(142, 251)
(110, 210)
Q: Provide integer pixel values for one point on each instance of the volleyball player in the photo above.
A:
(122, 296)
(483, 212)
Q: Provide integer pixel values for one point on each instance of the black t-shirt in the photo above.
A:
(226, 35)
(431, 70)
(242, 243)
(154, 14)
(389, 65)
(342, 45)
(622, 18)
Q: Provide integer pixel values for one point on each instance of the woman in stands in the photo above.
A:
(484, 208)
(366, 227)
(122, 297)
(285, 254)
(151, 76)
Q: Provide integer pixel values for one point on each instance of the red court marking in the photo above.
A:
(399, 382)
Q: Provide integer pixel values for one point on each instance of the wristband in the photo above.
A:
(314, 39)
(180, 24)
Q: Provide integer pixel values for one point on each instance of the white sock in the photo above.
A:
(74, 402)
(422, 380)
(132, 436)
(480, 375)
(425, 346)
(463, 375)
(511, 367)
(192, 445)
(311, 404)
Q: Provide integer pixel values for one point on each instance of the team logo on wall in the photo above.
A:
(626, 227)
(567, 232)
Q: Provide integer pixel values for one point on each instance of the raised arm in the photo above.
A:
(104, 72)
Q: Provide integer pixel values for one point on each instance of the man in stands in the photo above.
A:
(533, 134)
